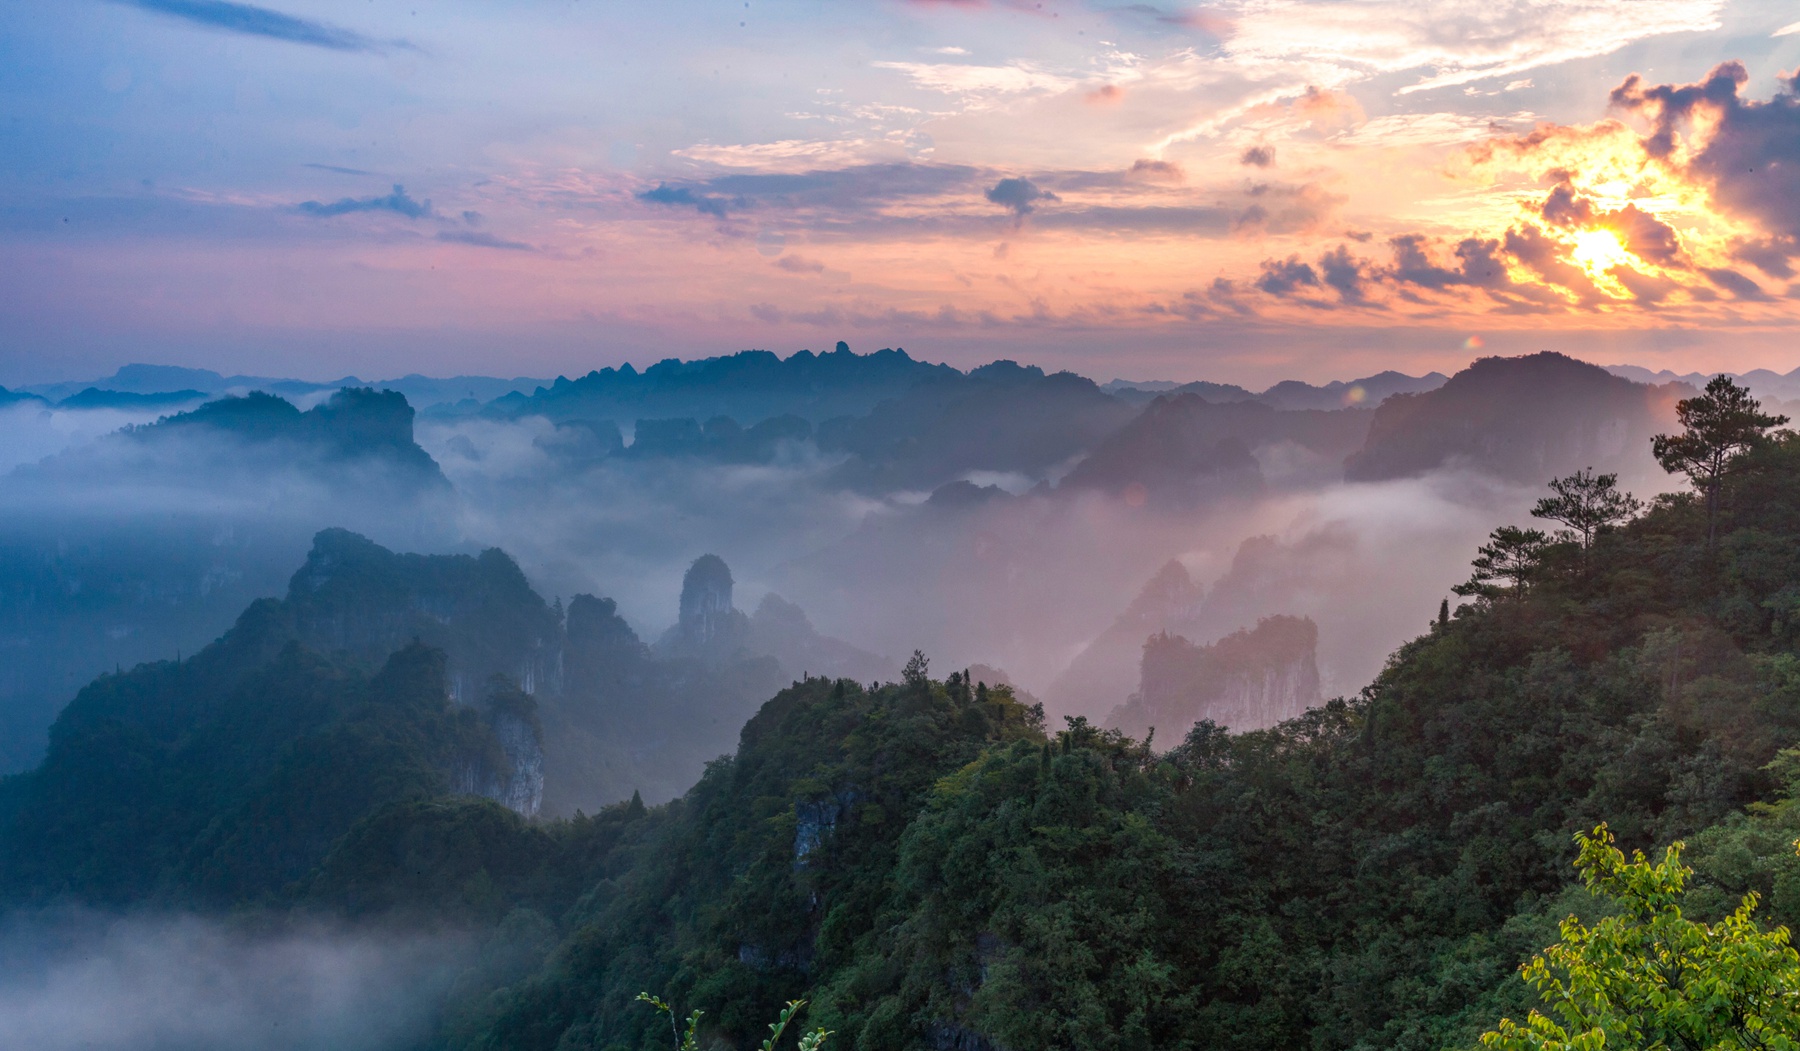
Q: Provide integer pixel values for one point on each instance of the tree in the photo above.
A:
(1648, 977)
(1718, 427)
(917, 671)
(687, 1040)
(1512, 555)
(1588, 504)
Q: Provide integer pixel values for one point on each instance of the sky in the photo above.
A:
(1242, 191)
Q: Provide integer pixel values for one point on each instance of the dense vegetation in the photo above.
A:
(935, 868)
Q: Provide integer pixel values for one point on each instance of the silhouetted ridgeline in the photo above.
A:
(749, 386)
(1525, 419)
(1182, 450)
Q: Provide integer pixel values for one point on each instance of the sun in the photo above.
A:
(1598, 251)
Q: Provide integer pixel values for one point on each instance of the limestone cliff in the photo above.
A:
(1248, 680)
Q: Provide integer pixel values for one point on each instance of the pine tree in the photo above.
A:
(1718, 427)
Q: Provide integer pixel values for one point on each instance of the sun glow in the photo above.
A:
(1598, 251)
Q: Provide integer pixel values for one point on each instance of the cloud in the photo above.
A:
(1547, 258)
(397, 202)
(1735, 283)
(251, 20)
(1146, 170)
(1018, 195)
(1019, 78)
(1458, 40)
(1106, 95)
(684, 197)
(479, 239)
(861, 189)
(799, 264)
(120, 983)
(1480, 265)
(337, 169)
(789, 154)
(1282, 277)
(1343, 273)
(1258, 157)
(1747, 153)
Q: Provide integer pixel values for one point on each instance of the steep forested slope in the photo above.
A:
(1365, 876)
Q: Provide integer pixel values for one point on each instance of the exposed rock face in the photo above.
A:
(706, 611)
(509, 769)
(1246, 681)
(812, 823)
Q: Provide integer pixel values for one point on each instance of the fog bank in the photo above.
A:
(180, 983)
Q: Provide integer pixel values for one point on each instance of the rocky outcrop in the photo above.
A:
(1247, 680)
(1107, 668)
(710, 627)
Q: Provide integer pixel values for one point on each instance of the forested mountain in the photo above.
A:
(148, 542)
(934, 867)
(1523, 419)
(1183, 450)
(1367, 875)
(749, 386)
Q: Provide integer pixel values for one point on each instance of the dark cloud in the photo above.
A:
(1735, 283)
(482, 240)
(1771, 255)
(335, 168)
(1343, 272)
(1563, 206)
(1751, 158)
(1480, 265)
(1647, 289)
(684, 197)
(251, 20)
(1146, 170)
(1258, 157)
(397, 202)
(859, 189)
(1282, 277)
(1018, 195)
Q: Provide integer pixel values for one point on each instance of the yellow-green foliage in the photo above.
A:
(1650, 977)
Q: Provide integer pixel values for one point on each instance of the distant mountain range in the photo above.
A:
(169, 380)
(144, 543)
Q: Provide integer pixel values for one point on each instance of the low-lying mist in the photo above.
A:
(93, 982)
(129, 547)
